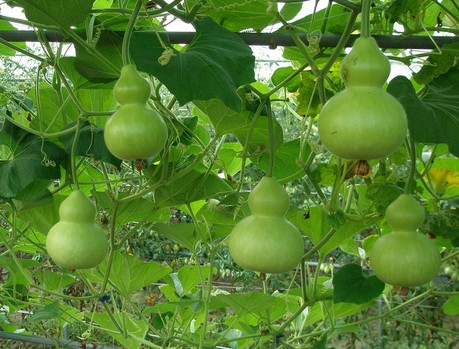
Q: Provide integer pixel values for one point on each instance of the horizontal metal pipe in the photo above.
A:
(262, 39)
(48, 342)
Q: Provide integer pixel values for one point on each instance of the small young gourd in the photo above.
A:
(405, 257)
(363, 121)
(266, 241)
(76, 241)
(134, 131)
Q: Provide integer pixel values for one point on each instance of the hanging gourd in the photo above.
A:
(405, 257)
(76, 241)
(266, 241)
(363, 121)
(134, 131)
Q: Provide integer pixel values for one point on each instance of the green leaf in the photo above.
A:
(54, 281)
(382, 194)
(194, 186)
(254, 303)
(49, 312)
(183, 233)
(56, 12)
(319, 224)
(286, 158)
(229, 158)
(451, 306)
(444, 223)
(136, 328)
(130, 274)
(140, 209)
(33, 159)
(437, 64)
(434, 118)
(290, 10)
(91, 67)
(18, 275)
(5, 50)
(214, 65)
(43, 217)
(259, 136)
(308, 97)
(223, 119)
(238, 15)
(350, 285)
(56, 109)
(190, 276)
(91, 144)
(324, 173)
(219, 219)
(282, 73)
(68, 66)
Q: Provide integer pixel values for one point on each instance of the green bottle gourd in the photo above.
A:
(134, 131)
(363, 121)
(76, 241)
(405, 257)
(266, 241)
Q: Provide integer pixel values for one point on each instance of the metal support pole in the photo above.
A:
(262, 39)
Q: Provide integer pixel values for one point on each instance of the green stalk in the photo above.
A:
(112, 246)
(271, 150)
(411, 146)
(128, 32)
(73, 153)
(365, 24)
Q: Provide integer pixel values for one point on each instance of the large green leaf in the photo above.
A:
(435, 117)
(350, 285)
(68, 66)
(108, 44)
(56, 12)
(214, 65)
(33, 159)
(130, 274)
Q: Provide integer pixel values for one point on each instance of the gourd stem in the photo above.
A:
(128, 32)
(73, 154)
(365, 24)
(271, 150)
(412, 171)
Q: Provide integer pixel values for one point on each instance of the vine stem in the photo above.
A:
(411, 146)
(128, 32)
(112, 247)
(271, 151)
(365, 24)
